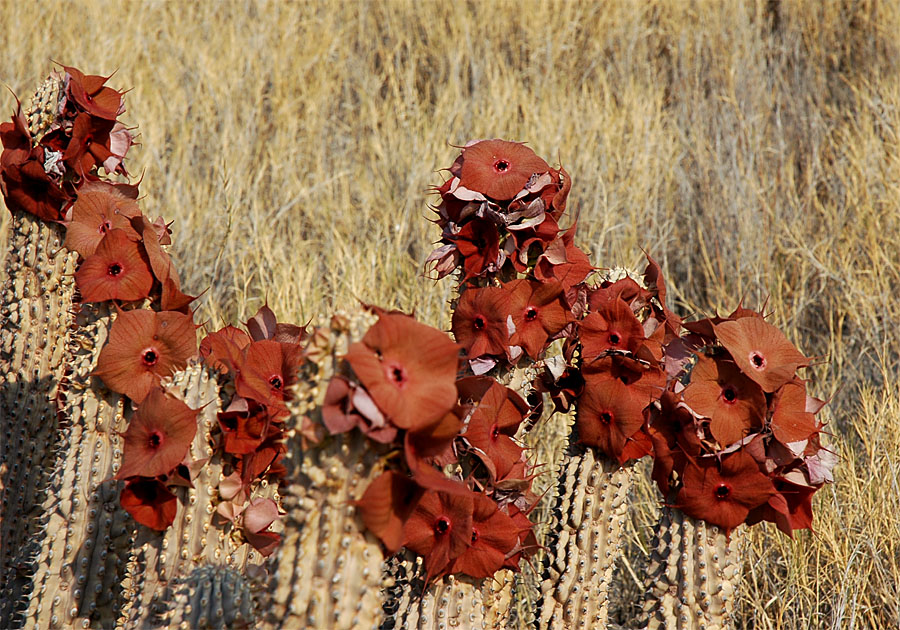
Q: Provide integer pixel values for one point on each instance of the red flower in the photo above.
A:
(89, 144)
(267, 371)
(494, 534)
(89, 92)
(612, 327)
(408, 368)
(491, 427)
(149, 502)
(143, 347)
(100, 207)
(387, 504)
(791, 419)
(790, 509)
(538, 311)
(223, 349)
(158, 437)
(563, 261)
(348, 405)
(719, 391)
(440, 528)
(479, 244)
(117, 270)
(244, 428)
(724, 497)
(499, 169)
(480, 321)
(761, 351)
(609, 412)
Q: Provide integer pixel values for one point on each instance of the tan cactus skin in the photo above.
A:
(328, 573)
(35, 320)
(159, 575)
(693, 576)
(588, 519)
(450, 602)
(82, 558)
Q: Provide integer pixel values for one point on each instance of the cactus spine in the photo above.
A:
(588, 519)
(35, 320)
(694, 573)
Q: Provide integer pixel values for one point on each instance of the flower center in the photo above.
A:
(276, 382)
(530, 314)
(722, 492)
(105, 226)
(155, 439)
(495, 432)
(474, 535)
(614, 339)
(479, 322)
(729, 394)
(442, 526)
(114, 269)
(606, 417)
(149, 357)
(396, 374)
(757, 360)
(501, 166)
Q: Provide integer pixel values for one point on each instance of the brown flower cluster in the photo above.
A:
(61, 143)
(716, 402)
(735, 435)
(400, 386)
(263, 365)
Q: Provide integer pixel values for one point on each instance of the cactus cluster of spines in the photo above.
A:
(523, 285)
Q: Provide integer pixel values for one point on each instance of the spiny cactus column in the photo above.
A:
(329, 569)
(182, 577)
(447, 603)
(35, 320)
(584, 540)
(81, 560)
(694, 573)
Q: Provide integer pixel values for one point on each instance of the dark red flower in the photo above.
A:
(790, 509)
(719, 391)
(494, 534)
(791, 418)
(89, 144)
(99, 208)
(479, 322)
(427, 443)
(149, 502)
(609, 412)
(89, 92)
(387, 504)
(223, 349)
(674, 437)
(243, 426)
(158, 436)
(538, 311)
(479, 245)
(499, 169)
(143, 347)
(725, 496)
(267, 370)
(563, 261)
(491, 429)
(408, 368)
(117, 270)
(611, 327)
(761, 351)
(440, 528)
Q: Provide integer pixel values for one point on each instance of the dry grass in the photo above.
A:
(751, 147)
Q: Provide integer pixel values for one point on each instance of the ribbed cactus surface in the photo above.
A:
(328, 573)
(583, 543)
(450, 602)
(162, 574)
(35, 320)
(694, 572)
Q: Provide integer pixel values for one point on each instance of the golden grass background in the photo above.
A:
(751, 147)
